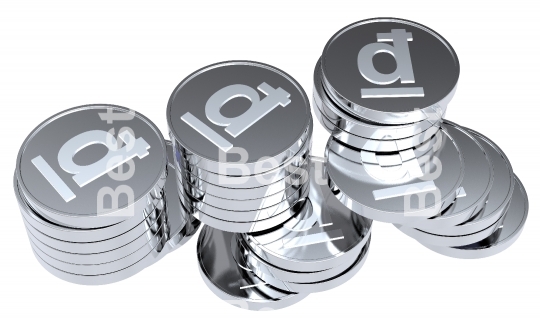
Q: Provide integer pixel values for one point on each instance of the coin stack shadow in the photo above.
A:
(273, 234)
(393, 158)
(79, 244)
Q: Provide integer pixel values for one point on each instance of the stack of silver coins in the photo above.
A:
(320, 248)
(381, 89)
(242, 137)
(90, 182)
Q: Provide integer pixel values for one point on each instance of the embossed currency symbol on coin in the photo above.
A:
(403, 72)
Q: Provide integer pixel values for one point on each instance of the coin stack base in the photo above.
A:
(318, 249)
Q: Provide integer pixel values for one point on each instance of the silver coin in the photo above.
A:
(330, 239)
(503, 237)
(308, 286)
(417, 79)
(375, 145)
(40, 240)
(61, 178)
(129, 229)
(499, 196)
(153, 222)
(235, 188)
(207, 120)
(401, 198)
(431, 239)
(243, 211)
(246, 204)
(262, 207)
(231, 179)
(181, 226)
(359, 127)
(196, 176)
(250, 260)
(231, 283)
(157, 242)
(198, 188)
(383, 165)
(127, 272)
(285, 209)
(477, 183)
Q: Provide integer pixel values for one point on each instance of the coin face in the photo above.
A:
(91, 161)
(240, 104)
(389, 66)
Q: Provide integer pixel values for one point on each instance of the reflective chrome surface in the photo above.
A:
(73, 160)
(502, 237)
(476, 186)
(203, 133)
(235, 285)
(335, 117)
(126, 252)
(321, 238)
(393, 195)
(418, 79)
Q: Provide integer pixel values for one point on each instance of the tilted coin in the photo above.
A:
(503, 237)
(333, 235)
(231, 283)
(304, 286)
(477, 183)
(403, 194)
(499, 195)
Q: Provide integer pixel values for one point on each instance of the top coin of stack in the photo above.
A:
(242, 136)
(383, 85)
(90, 186)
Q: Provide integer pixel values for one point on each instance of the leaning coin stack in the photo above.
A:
(381, 89)
(261, 206)
(320, 248)
(90, 185)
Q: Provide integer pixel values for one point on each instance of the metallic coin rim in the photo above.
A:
(374, 145)
(245, 227)
(67, 234)
(97, 247)
(282, 208)
(187, 169)
(259, 266)
(287, 300)
(356, 126)
(327, 284)
(106, 267)
(455, 218)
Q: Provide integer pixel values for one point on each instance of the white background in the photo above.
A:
(59, 54)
